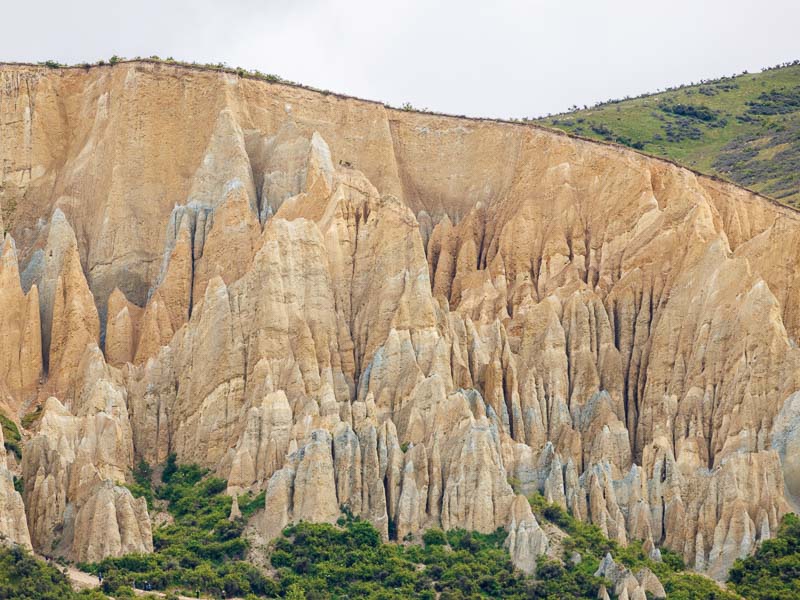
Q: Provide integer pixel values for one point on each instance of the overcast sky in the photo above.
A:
(498, 58)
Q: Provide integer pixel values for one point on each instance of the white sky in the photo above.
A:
(498, 58)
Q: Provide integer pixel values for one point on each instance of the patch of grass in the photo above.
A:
(32, 417)
(249, 504)
(11, 436)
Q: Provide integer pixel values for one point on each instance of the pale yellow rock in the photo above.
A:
(155, 329)
(75, 323)
(413, 499)
(263, 445)
(21, 354)
(175, 285)
(304, 491)
(504, 302)
(111, 523)
(72, 469)
(13, 524)
(626, 585)
(122, 327)
(526, 541)
(231, 242)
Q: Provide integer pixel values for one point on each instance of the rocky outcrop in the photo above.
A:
(526, 541)
(346, 305)
(111, 522)
(122, 327)
(13, 525)
(627, 585)
(74, 468)
(21, 353)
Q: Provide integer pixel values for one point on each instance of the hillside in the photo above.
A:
(744, 128)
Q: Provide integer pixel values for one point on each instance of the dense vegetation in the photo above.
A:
(200, 550)
(773, 572)
(203, 550)
(326, 561)
(744, 128)
(22, 577)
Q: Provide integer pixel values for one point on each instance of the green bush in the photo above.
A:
(692, 111)
(248, 505)
(203, 550)
(434, 537)
(142, 486)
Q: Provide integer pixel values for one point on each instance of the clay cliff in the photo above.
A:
(418, 317)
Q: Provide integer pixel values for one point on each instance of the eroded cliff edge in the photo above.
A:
(344, 304)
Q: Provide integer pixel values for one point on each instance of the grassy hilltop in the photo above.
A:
(745, 128)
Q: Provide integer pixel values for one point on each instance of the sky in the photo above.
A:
(495, 58)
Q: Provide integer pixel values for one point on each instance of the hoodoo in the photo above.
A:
(415, 318)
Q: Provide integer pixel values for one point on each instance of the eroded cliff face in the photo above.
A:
(343, 304)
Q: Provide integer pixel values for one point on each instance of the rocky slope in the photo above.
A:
(419, 317)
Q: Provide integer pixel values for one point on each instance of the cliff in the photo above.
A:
(405, 313)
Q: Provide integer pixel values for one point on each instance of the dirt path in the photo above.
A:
(81, 580)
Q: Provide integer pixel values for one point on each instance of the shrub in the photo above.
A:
(22, 577)
(776, 102)
(351, 561)
(434, 537)
(692, 111)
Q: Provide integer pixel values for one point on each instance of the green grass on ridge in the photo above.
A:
(745, 129)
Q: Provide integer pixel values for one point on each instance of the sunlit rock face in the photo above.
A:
(402, 314)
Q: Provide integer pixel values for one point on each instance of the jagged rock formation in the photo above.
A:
(73, 468)
(526, 541)
(627, 585)
(347, 305)
(13, 526)
(21, 354)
